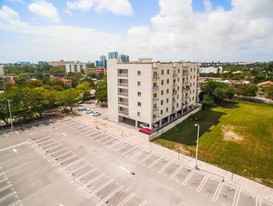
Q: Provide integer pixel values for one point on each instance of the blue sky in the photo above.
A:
(166, 30)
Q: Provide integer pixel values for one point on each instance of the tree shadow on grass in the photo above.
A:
(186, 132)
(229, 104)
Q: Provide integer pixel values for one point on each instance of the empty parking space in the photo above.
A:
(246, 199)
(183, 173)
(226, 195)
(209, 187)
(194, 180)
(170, 169)
(160, 164)
(150, 160)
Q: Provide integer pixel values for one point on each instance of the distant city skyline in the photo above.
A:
(165, 30)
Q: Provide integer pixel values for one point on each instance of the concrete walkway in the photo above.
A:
(133, 136)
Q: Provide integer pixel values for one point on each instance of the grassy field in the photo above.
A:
(238, 136)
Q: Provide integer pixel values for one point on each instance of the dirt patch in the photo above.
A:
(181, 149)
(230, 134)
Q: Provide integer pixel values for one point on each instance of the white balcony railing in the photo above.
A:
(122, 74)
(123, 103)
(123, 84)
(123, 112)
(123, 94)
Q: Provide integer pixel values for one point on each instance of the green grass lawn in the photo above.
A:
(237, 136)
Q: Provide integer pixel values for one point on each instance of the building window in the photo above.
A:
(191, 69)
(167, 109)
(162, 92)
(162, 102)
(161, 112)
(138, 114)
(178, 70)
(167, 91)
(138, 83)
(178, 88)
(177, 105)
(194, 76)
(139, 94)
(167, 100)
(168, 81)
(139, 104)
(139, 73)
(162, 72)
(168, 71)
(162, 82)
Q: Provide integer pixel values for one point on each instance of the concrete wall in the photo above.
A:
(171, 125)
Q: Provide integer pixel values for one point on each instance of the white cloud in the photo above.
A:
(207, 5)
(176, 32)
(45, 11)
(83, 5)
(117, 7)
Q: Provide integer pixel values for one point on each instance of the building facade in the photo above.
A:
(60, 63)
(214, 70)
(113, 55)
(75, 68)
(124, 58)
(151, 93)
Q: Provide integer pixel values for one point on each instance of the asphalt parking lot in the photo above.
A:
(68, 163)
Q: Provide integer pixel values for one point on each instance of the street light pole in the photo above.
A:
(11, 124)
(197, 141)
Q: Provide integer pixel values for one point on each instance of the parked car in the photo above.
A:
(155, 125)
(95, 114)
(144, 125)
(146, 131)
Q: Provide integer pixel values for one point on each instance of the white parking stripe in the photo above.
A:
(110, 195)
(52, 153)
(110, 139)
(11, 147)
(15, 203)
(145, 158)
(236, 197)
(176, 171)
(154, 162)
(94, 179)
(102, 186)
(188, 177)
(138, 153)
(163, 168)
(202, 184)
(5, 187)
(85, 174)
(7, 196)
(3, 180)
(217, 192)
(126, 199)
(78, 168)
(60, 155)
(72, 163)
(116, 143)
(143, 203)
(68, 158)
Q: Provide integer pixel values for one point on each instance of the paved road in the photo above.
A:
(70, 163)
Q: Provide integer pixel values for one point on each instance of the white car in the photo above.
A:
(144, 126)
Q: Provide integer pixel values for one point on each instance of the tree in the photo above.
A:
(36, 83)
(247, 90)
(68, 98)
(207, 102)
(268, 91)
(101, 91)
(84, 88)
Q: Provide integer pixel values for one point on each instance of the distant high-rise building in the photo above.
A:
(113, 55)
(103, 60)
(124, 58)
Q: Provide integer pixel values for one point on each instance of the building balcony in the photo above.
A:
(123, 112)
(123, 103)
(155, 109)
(155, 99)
(174, 75)
(123, 94)
(122, 74)
(174, 84)
(173, 102)
(155, 88)
(174, 110)
(174, 92)
(155, 77)
(123, 84)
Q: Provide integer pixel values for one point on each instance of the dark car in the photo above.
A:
(146, 131)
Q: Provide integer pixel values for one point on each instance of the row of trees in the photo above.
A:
(213, 93)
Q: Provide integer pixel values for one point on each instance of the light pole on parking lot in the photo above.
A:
(197, 141)
(11, 124)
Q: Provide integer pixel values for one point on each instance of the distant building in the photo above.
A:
(96, 70)
(75, 68)
(145, 59)
(124, 58)
(103, 60)
(113, 55)
(215, 70)
(23, 63)
(60, 63)
(2, 70)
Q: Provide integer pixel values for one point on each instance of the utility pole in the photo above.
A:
(197, 141)
(11, 124)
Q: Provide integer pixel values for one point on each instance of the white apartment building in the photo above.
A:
(75, 67)
(151, 93)
(214, 70)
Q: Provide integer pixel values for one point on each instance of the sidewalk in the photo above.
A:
(134, 137)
